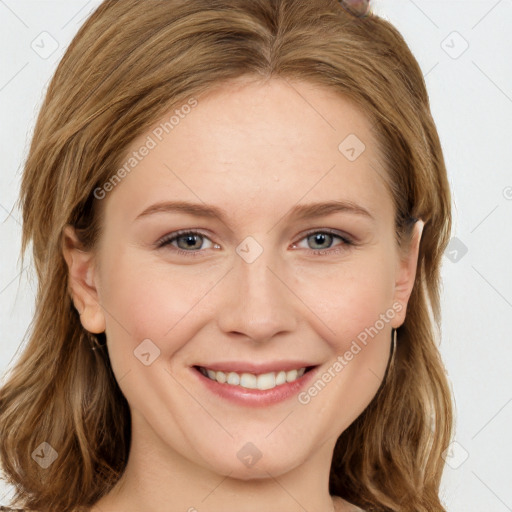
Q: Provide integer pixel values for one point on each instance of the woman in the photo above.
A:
(238, 212)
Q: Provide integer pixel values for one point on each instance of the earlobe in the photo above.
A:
(81, 281)
(406, 274)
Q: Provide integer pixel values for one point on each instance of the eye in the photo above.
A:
(188, 243)
(322, 241)
(191, 243)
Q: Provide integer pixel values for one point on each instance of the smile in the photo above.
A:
(262, 381)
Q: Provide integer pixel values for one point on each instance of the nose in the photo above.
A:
(257, 301)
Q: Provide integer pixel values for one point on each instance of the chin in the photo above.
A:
(260, 470)
(250, 463)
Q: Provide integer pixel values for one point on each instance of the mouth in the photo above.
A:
(256, 381)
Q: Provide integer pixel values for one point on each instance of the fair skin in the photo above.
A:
(255, 151)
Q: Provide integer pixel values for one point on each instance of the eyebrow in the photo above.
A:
(300, 211)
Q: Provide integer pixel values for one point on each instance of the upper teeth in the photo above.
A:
(251, 381)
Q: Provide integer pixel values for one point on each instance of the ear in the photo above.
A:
(81, 281)
(406, 274)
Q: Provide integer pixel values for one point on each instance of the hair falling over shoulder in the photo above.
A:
(126, 67)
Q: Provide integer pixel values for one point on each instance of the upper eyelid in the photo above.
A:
(181, 232)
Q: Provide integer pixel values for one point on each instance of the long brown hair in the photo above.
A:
(131, 63)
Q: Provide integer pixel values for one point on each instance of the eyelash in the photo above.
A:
(168, 239)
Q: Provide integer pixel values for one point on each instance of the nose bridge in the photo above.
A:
(259, 305)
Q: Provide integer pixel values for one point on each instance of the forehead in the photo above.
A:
(252, 147)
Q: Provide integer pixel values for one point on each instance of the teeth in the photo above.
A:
(280, 378)
(250, 381)
(233, 378)
(267, 381)
(291, 375)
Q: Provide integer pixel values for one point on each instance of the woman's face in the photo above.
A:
(270, 281)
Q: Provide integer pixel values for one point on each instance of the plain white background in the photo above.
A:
(464, 49)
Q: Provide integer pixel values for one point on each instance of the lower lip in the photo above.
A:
(256, 397)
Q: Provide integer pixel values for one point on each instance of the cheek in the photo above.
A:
(148, 298)
(351, 299)
(152, 311)
(355, 308)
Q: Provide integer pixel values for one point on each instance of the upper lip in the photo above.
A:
(256, 368)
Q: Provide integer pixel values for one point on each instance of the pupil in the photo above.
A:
(190, 240)
(320, 238)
